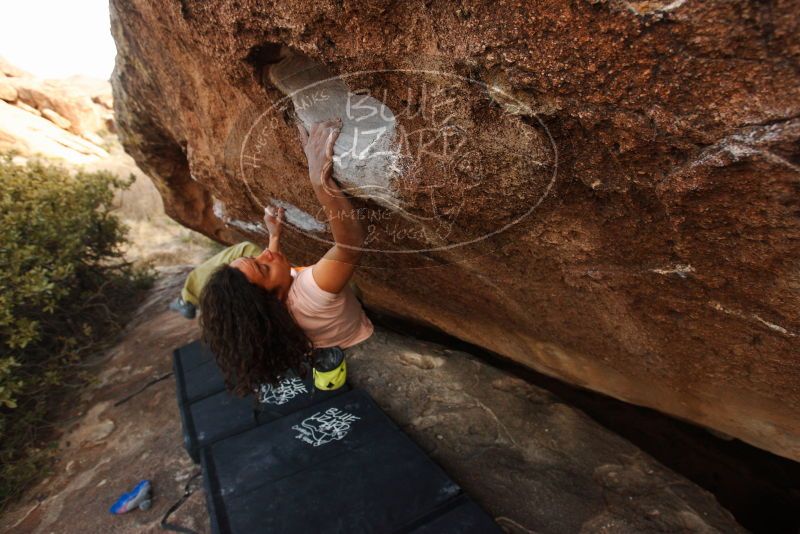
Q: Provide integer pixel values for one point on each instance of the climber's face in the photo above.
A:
(269, 270)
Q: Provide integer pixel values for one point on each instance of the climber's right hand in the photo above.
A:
(318, 147)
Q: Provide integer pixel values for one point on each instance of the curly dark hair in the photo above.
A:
(253, 336)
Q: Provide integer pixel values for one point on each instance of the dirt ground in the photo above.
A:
(156, 241)
(102, 448)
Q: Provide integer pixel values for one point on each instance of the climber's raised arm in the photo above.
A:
(334, 269)
(273, 220)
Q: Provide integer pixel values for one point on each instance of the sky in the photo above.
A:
(57, 38)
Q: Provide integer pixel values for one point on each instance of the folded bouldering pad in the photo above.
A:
(338, 466)
(213, 418)
(196, 373)
(459, 516)
(210, 413)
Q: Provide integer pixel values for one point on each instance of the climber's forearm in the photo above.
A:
(274, 243)
(346, 226)
(273, 220)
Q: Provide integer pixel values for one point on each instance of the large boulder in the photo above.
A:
(605, 191)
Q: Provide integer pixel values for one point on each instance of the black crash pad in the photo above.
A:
(291, 395)
(214, 418)
(193, 355)
(338, 466)
(196, 373)
(460, 516)
(220, 415)
(210, 413)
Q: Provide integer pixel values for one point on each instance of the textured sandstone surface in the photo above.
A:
(30, 134)
(605, 191)
(79, 104)
(534, 463)
(58, 118)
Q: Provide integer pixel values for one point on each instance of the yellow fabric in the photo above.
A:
(330, 380)
(198, 277)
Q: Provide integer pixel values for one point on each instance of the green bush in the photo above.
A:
(64, 292)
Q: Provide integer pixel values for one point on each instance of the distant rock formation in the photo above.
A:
(54, 118)
(605, 191)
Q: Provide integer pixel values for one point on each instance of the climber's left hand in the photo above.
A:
(273, 220)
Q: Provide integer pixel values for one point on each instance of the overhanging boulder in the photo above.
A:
(605, 191)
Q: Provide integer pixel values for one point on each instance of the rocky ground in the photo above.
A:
(535, 463)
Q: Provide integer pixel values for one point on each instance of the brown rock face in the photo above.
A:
(605, 191)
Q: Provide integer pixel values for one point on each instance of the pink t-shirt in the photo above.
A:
(328, 319)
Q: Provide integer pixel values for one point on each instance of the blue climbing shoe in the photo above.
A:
(138, 497)
(187, 309)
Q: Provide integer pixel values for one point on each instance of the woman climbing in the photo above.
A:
(261, 318)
